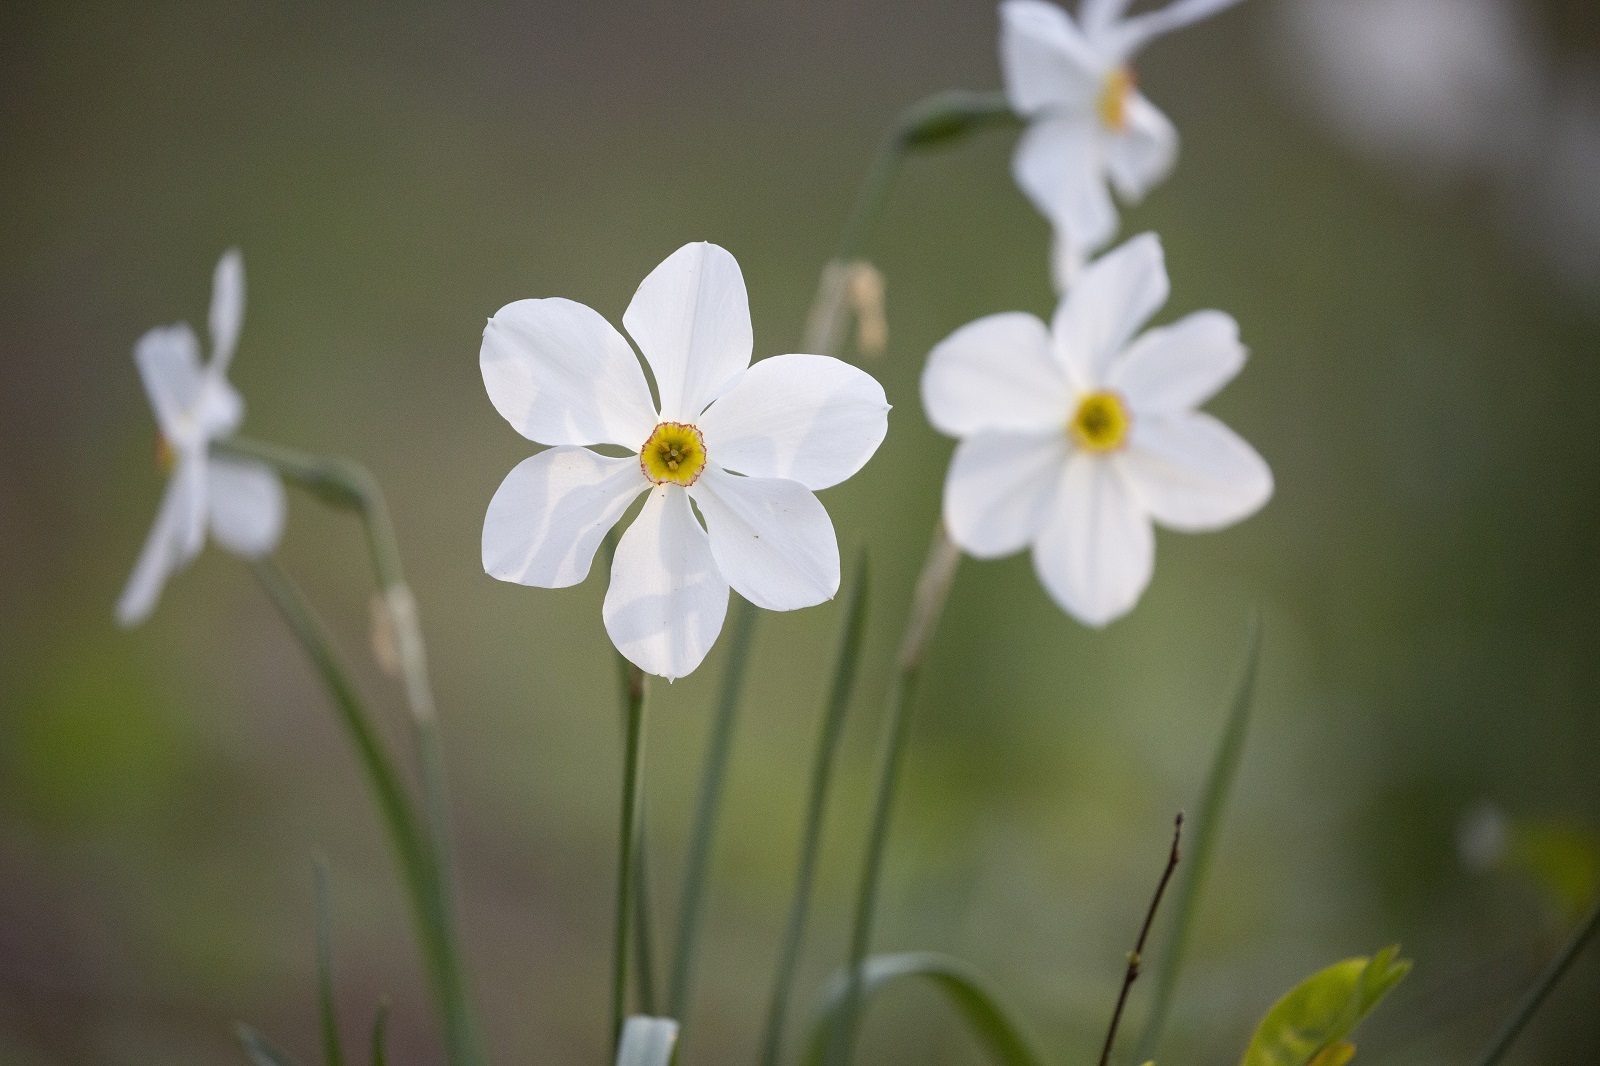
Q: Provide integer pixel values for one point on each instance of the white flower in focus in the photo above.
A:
(1087, 122)
(748, 444)
(240, 501)
(1074, 437)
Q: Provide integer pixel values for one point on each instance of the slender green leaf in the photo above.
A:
(332, 1051)
(260, 1050)
(965, 989)
(1311, 1022)
(1207, 829)
(647, 1041)
(380, 1027)
(708, 803)
(1536, 995)
(851, 638)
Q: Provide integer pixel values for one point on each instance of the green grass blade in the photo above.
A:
(1535, 996)
(627, 849)
(851, 638)
(1207, 830)
(380, 1027)
(708, 803)
(963, 987)
(260, 1050)
(332, 1051)
(648, 1041)
(406, 832)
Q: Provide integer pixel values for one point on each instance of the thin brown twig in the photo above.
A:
(1132, 973)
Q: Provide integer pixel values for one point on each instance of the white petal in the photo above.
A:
(808, 418)
(666, 601)
(1133, 34)
(246, 504)
(561, 374)
(691, 319)
(999, 488)
(1140, 156)
(1046, 62)
(1096, 550)
(1193, 473)
(551, 512)
(1098, 16)
(771, 537)
(997, 373)
(167, 548)
(227, 308)
(1181, 366)
(168, 358)
(1106, 305)
(1059, 163)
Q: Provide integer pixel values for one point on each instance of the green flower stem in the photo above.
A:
(417, 860)
(933, 589)
(1541, 988)
(644, 926)
(627, 848)
(851, 638)
(708, 805)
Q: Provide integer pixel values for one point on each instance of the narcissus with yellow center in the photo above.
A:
(239, 501)
(674, 455)
(748, 444)
(1090, 131)
(1076, 437)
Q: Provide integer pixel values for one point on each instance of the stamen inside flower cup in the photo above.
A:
(1113, 102)
(675, 454)
(1101, 423)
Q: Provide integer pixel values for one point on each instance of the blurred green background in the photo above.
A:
(1397, 199)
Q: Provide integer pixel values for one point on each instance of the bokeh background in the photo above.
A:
(1400, 201)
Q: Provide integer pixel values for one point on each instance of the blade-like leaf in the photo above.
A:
(380, 1023)
(967, 991)
(1207, 829)
(1309, 1024)
(261, 1051)
(647, 1041)
(332, 1051)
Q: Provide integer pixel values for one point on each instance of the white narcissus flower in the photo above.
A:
(1074, 437)
(748, 444)
(1087, 122)
(239, 500)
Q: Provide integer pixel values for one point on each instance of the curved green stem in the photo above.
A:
(416, 858)
(627, 848)
(933, 588)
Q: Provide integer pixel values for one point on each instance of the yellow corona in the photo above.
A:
(675, 454)
(1101, 422)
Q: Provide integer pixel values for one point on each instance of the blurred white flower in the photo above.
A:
(748, 444)
(241, 501)
(1076, 436)
(1482, 837)
(1435, 87)
(1088, 125)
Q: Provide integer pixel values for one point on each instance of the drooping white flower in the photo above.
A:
(1088, 125)
(239, 500)
(747, 444)
(1074, 437)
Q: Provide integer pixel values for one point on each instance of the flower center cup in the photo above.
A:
(1114, 96)
(1101, 422)
(675, 454)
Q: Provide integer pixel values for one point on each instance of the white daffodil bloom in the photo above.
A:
(240, 501)
(748, 444)
(1075, 436)
(1087, 122)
